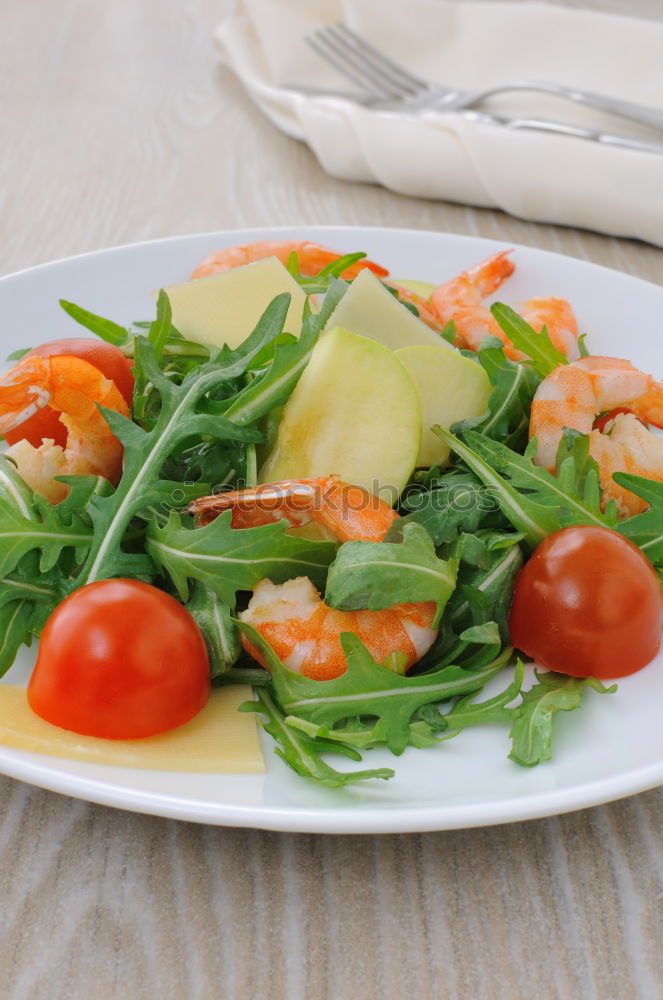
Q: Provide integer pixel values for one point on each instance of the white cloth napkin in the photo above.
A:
(548, 178)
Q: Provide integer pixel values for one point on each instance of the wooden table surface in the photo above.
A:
(119, 125)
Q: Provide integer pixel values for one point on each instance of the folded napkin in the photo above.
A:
(548, 178)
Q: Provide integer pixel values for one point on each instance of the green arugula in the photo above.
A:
(27, 597)
(319, 283)
(534, 501)
(213, 618)
(646, 529)
(467, 712)
(169, 343)
(105, 329)
(300, 752)
(377, 575)
(538, 347)
(367, 689)
(448, 505)
(44, 530)
(531, 733)
(510, 402)
(180, 418)
(227, 559)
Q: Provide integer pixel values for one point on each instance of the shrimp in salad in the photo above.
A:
(574, 395)
(460, 301)
(303, 631)
(311, 258)
(75, 389)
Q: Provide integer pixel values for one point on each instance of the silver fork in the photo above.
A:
(387, 84)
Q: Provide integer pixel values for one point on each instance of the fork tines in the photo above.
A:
(361, 62)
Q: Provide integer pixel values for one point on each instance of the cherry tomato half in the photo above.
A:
(122, 660)
(587, 603)
(110, 361)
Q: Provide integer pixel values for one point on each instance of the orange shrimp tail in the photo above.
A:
(459, 300)
(487, 276)
(311, 257)
(559, 320)
(22, 393)
(650, 405)
(350, 512)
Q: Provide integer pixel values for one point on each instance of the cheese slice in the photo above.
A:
(224, 308)
(219, 739)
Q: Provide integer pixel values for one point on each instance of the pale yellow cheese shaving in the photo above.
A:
(219, 739)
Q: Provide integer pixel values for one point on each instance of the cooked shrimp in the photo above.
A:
(559, 320)
(311, 257)
(460, 301)
(574, 395)
(73, 388)
(303, 631)
(350, 513)
(427, 314)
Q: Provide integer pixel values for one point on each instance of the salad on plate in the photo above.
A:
(367, 497)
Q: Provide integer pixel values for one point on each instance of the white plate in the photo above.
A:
(611, 748)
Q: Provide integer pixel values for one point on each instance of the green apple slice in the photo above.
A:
(423, 289)
(224, 308)
(354, 413)
(450, 389)
(367, 308)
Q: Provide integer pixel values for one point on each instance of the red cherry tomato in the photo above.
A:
(110, 361)
(587, 603)
(122, 660)
(602, 422)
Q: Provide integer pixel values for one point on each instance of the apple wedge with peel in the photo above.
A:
(450, 387)
(354, 413)
(423, 289)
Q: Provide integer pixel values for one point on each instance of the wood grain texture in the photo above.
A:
(118, 125)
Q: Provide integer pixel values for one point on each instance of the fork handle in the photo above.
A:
(623, 109)
(562, 128)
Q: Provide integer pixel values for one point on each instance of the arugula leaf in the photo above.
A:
(356, 733)
(367, 689)
(510, 402)
(302, 753)
(377, 575)
(161, 326)
(44, 530)
(212, 616)
(531, 733)
(109, 331)
(157, 335)
(27, 598)
(536, 521)
(452, 503)
(229, 559)
(15, 631)
(485, 591)
(467, 712)
(19, 353)
(532, 499)
(318, 283)
(646, 529)
(14, 491)
(537, 346)
(146, 452)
